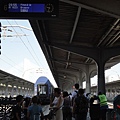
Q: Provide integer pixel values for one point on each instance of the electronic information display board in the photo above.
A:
(29, 9)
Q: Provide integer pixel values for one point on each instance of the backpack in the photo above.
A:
(82, 104)
(67, 102)
(116, 103)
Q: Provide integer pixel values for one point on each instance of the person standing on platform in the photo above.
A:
(67, 111)
(103, 105)
(57, 104)
(17, 109)
(25, 105)
(75, 92)
(94, 108)
(116, 104)
(34, 111)
(80, 106)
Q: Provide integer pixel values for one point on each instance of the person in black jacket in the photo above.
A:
(80, 106)
(95, 108)
(17, 109)
(25, 105)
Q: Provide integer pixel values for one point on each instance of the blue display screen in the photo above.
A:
(29, 8)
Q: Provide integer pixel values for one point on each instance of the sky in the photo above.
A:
(21, 54)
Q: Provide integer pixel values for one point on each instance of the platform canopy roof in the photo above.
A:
(81, 24)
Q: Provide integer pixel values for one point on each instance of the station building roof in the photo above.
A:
(9, 79)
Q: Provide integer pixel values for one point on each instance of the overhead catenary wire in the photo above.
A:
(11, 65)
(30, 44)
(24, 44)
(11, 60)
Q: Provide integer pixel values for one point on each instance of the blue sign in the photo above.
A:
(33, 8)
(29, 9)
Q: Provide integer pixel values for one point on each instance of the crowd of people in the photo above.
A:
(31, 108)
(65, 106)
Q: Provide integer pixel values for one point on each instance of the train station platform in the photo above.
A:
(6, 105)
(46, 110)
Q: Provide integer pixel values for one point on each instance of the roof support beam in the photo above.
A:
(73, 31)
(109, 7)
(64, 61)
(91, 52)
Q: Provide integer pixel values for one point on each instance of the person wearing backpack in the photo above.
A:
(75, 92)
(116, 104)
(35, 110)
(80, 106)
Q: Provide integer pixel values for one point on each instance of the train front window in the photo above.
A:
(42, 89)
